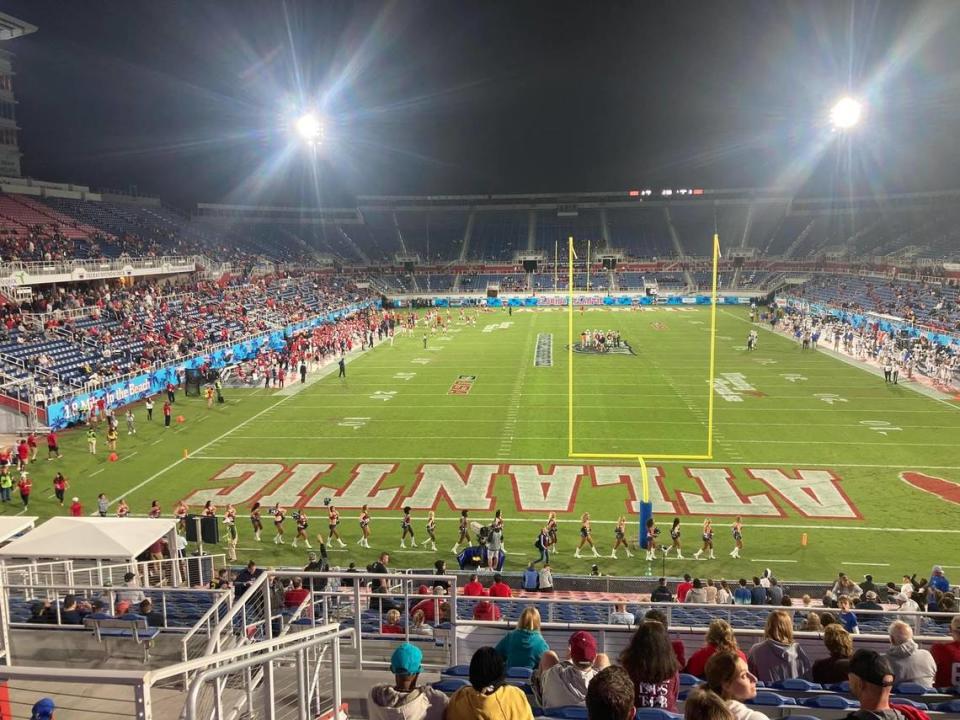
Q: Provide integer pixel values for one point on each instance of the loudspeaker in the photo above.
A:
(529, 266)
(609, 263)
(209, 529)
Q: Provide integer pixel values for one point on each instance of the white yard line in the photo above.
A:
(866, 564)
(767, 561)
(97, 472)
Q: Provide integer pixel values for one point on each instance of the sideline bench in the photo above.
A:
(136, 630)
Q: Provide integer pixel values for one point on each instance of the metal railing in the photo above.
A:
(40, 268)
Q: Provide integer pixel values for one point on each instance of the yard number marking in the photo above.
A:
(881, 426)
(353, 422)
(829, 398)
(383, 395)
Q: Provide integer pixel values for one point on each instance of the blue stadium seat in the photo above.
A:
(796, 685)
(450, 684)
(567, 712)
(843, 687)
(831, 702)
(953, 706)
(907, 701)
(688, 680)
(517, 672)
(771, 699)
(912, 688)
(457, 671)
(656, 714)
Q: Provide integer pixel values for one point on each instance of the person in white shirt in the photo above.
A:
(620, 616)
(564, 683)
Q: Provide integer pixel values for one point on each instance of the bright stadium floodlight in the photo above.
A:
(846, 113)
(310, 128)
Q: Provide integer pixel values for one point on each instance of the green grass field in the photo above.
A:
(804, 444)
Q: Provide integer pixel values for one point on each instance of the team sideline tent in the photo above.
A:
(119, 540)
(10, 527)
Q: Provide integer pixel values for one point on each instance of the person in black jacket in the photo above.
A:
(245, 578)
(661, 593)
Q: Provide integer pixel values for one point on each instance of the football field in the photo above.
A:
(830, 468)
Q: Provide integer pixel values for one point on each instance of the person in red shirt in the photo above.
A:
(391, 623)
(297, 593)
(474, 588)
(167, 412)
(32, 444)
(23, 454)
(486, 610)
(683, 588)
(60, 485)
(53, 448)
(719, 638)
(947, 657)
(26, 487)
(499, 588)
(76, 509)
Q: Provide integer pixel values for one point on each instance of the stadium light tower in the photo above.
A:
(846, 113)
(310, 128)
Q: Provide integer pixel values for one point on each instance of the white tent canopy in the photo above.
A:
(95, 538)
(10, 527)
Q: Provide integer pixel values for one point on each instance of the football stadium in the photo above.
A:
(362, 399)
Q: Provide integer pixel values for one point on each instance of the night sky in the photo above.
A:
(192, 100)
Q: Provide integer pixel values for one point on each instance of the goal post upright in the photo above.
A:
(646, 505)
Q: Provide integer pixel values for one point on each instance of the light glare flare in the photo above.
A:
(309, 127)
(846, 113)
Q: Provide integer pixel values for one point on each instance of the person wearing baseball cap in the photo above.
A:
(565, 682)
(871, 681)
(42, 709)
(405, 700)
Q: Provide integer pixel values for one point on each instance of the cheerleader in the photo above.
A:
(180, 511)
(303, 522)
(497, 525)
(707, 541)
(737, 530)
(256, 521)
(154, 511)
(209, 509)
(278, 517)
(585, 538)
(675, 539)
(333, 522)
(230, 522)
(552, 531)
(464, 530)
(431, 531)
(364, 540)
(620, 534)
(123, 510)
(406, 528)
(652, 533)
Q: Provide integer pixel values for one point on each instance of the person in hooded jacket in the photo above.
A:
(565, 682)
(910, 663)
(488, 697)
(778, 657)
(405, 700)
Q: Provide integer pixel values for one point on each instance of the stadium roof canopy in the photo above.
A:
(10, 527)
(77, 538)
(11, 27)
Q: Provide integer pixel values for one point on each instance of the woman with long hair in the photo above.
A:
(431, 531)
(303, 522)
(552, 531)
(778, 657)
(497, 527)
(333, 524)
(464, 530)
(653, 667)
(719, 638)
(620, 538)
(675, 539)
(256, 521)
(406, 528)
(180, 512)
(524, 646)
(488, 695)
(230, 521)
(364, 540)
(737, 530)
(652, 533)
(279, 515)
(839, 644)
(704, 704)
(729, 677)
(707, 537)
(585, 536)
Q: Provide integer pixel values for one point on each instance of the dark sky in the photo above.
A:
(187, 99)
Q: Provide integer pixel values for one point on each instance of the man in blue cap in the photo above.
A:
(404, 700)
(43, 709)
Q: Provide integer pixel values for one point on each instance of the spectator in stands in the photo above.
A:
(696, 594)
(440, 570)
(524, 646)
(99, 611)
(703, 704)
(40, 613)
(947, 657)
(812, 623)
(653, 667)
(131, 592)
(245, 578)
(868, 586)
(405, 700)
(661, 593)
(678, 650)
(488, 697)
(845, 586)
(938, 580)
(296, 594)
(724, 596)
(758, 593)
(565, 682)
(620, 615)
(869, 602)
(871, 679)
(70, 612)
(531, 577)
(719, 638)
(43, 709)
(711, 592)
(742, 595)
(545, 579)
(486, 610)
(683, 588)
(775, 592)
(846, 616)
(154, 619)
(473, 588)
(835, 667)
(909, 662)
(498, 588)
(391, 623)
(729, 677)
(418, 625)
(906, 606)
(431, 607)
(610, 695)
(778, 657)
